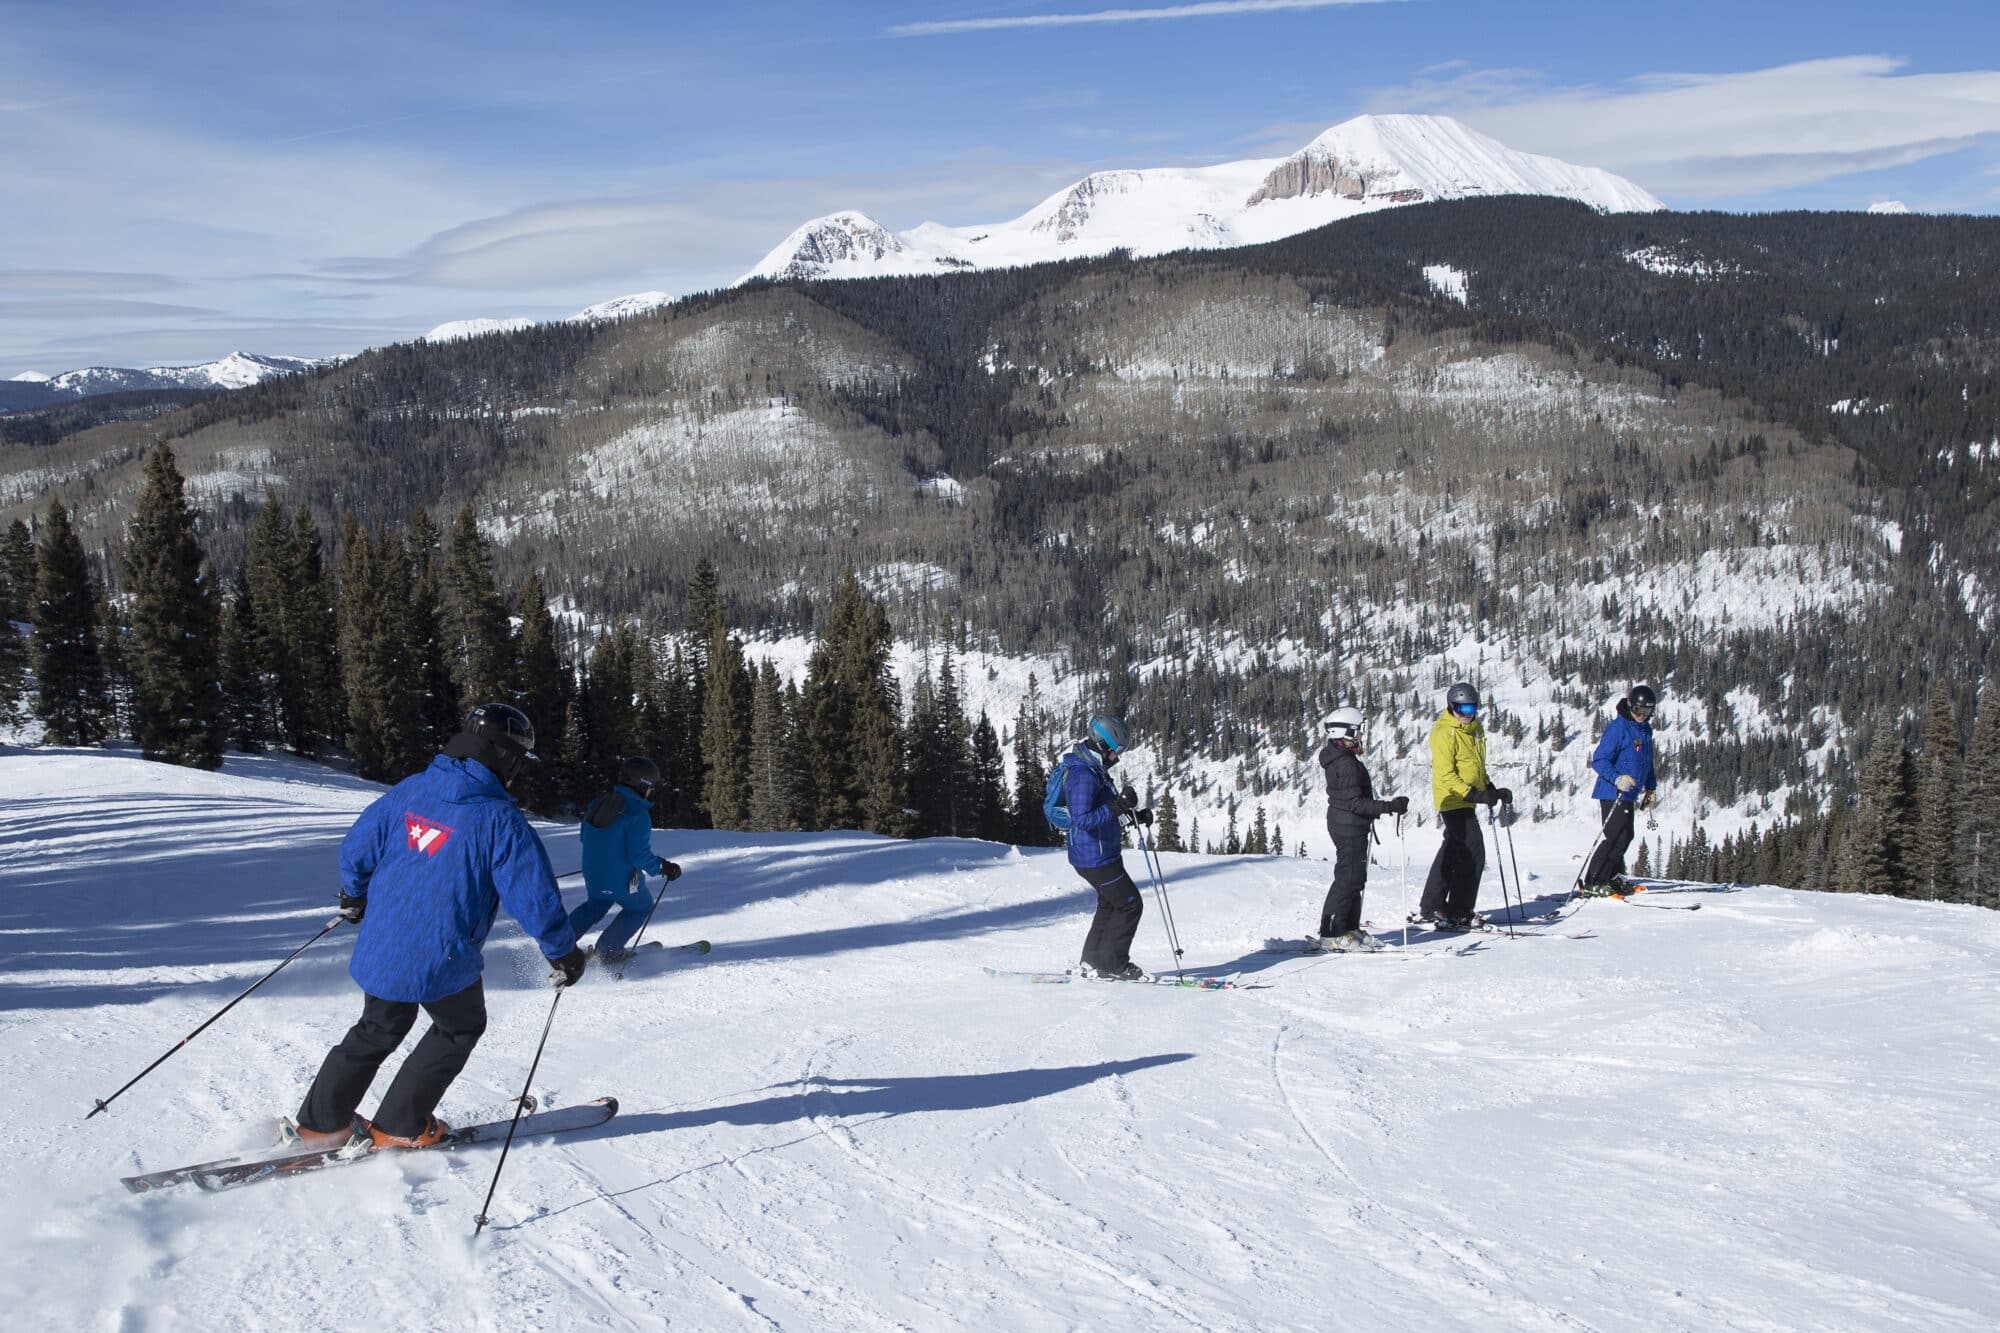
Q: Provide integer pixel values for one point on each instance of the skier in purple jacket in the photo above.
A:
(423, 873)
(1095, 810)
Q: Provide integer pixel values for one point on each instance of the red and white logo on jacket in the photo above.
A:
(425, 836)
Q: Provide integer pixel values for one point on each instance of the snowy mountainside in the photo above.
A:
(1359, 166)
(1769, 1113)
(235, 371)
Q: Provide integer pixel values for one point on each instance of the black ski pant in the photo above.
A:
(456, 1024)
(1342, 911)
(1609, 861)
(1452, 887)
(1108, 946)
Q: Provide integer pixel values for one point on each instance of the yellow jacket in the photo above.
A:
(1458, 760)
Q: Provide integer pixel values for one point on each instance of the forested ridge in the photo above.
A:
(1753, 460)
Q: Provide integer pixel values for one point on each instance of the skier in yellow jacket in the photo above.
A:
(1459, 785)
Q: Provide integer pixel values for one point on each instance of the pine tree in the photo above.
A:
(17, 559)
(1933, 866)
(1871, 852)
(770, 773)
(114, 650)
(930, 794)
(1979, 824)
(854, 731)
(1030, 827)
(1277, 840)
(476, 635)
(272, 646)
(438, 709)
(1259, 841)
(70, 693)
(541, 689)
(1167, 823)
(989, 783)
(315, 629)
(725, 733)
(177, 693)
(385, 733)
(611, 706)
(1232, 842)
(246, 711)
(953, 739)
(705, 611)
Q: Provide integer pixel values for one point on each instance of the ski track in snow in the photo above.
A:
(1780, 1112)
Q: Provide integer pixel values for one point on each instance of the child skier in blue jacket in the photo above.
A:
(617, 837)
(1094, 852)
(1623, 762)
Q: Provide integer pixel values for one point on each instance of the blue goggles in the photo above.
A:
(1466, 710)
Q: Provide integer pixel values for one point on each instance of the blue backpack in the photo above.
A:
(1053, 808)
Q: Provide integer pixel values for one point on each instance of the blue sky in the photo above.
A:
(183, 181)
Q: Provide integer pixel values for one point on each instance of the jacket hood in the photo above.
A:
(633, 797)
(468, 780)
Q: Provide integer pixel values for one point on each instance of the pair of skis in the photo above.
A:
(248, 1169)
(1065, 978)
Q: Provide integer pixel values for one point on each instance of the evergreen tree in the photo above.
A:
(1194, 835)
(930, 794)
(1232, 842)
(13, 672)
(770, 772)
(17, 559)
(315, 630)
(989, 783)
(1167, 823)
(853, 732)
(438, 708)
(611, 705)
(70, 694)
(273, 613)
(177, 711)
(476, 635)
(725, 733)
(1259, 841)
(1979, 824)
(246, 712)
(114, 645)
(384, 731)
(1277, 841)
(1933, 858)
(541, 689)
(1030, 828)
(704, 612)
(1871, 853)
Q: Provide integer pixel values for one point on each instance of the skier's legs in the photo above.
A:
(457, 1022)
(1342, 910)
(1609, 862)
(350, 1066)
(632, 909)
(1436, 881)
(1467, 860)
(1108, 946)
(588, 913)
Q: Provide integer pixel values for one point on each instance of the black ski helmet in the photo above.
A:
(639, 773)
(1643, 696)
(1459, 695)
(498, 736)
(1110, 732)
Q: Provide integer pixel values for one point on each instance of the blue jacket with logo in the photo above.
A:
(436, 856)
(1093, 818)
(1625, 747)
(617, 837)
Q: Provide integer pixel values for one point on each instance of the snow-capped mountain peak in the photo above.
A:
(829, 246)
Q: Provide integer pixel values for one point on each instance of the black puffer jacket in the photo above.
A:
(1351, 807)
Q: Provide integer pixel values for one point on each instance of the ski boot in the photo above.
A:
(1605, 890)
(435, 1131)
(291, 1134)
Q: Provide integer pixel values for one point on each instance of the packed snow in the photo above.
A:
(1777, 1112)
(1448, 282)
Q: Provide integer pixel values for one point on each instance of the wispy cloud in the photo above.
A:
(1211, 9)
(1693, 137)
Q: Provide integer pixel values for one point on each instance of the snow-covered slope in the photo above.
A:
(1778, 1112)
(235, 371)
(455, 329)
(1358, 166)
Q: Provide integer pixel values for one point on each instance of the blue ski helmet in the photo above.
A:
(1111, 732)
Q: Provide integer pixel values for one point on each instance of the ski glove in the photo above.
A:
(1482, 796)
(1646, 801)
(351, 909)
(568, 968)
(1130, 797)
(1626, 782)
(1143, 816)
(1504, 795)
(1398, 805)
(669, 870)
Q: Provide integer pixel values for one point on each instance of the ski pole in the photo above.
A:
(1403, 880)
(1160, 892)
(1493, 823)
(520, 1105)
(664, 881)
(1603, 831)
(1520, 886)
(104, 1103)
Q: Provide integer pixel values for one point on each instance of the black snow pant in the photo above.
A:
(1452, 888)
(456, 1024)
(1108, 946)
(1342, 911)
(1609, 862)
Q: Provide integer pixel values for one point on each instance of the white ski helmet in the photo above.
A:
(1343, 724)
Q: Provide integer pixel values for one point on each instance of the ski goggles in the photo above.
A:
(1466, 710)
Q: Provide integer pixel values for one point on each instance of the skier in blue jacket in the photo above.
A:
(423, 873)
(617, 837)
(1623, 762)
(1095, 809)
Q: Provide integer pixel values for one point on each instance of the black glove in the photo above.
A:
(1143, 816)
(1504, 795)
(670, 870)
(1482, 796)
(1398, 805)
(1129, 797)
(351, 909)
(568, 968)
